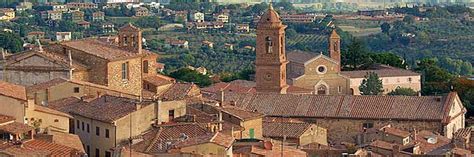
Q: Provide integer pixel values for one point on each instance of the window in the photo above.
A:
(368, 125)
(145, 66)
(409, 79)
(97, 152)
(339, 89)
(97, 131)
(321, 69)
(252, 133)
(106, 133)
(76, 89)
(78, 127)
(125, 71)
(108, 154)
(87, 128)
(82, 126)
(171, 115)
(268, 44)
(56, 120)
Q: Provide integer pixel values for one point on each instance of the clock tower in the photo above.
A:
(271, 58)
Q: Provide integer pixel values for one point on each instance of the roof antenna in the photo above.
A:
(40, 46)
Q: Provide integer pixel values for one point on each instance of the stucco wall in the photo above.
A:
(390, 83)
(135, 123)
(91, 139)
(49, 120)
(314, 134)
(13, 107)
(207, 149)
(179, 108)
(255, 124)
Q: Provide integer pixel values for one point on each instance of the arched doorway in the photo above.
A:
(322, 90)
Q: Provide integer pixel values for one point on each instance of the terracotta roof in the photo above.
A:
(240, 114)
(288, 129)
(426, 147)
(100, 49)
(154, 141)
(294, 90)
(159, 80)
(65, 105)
(382, 144)
(15, 128)
(348, 106)
(65, 139)
(40, 108)
(55, 149)
(129, 26)
(111, 108)
(271, 16)
(60, 59)
(177, 91)
(300, 56)
(381, 73)
(274, 152)
(12, 90)
(45, 85)
(216, 138)
(395, 132)
(5, 119)
(462, 133)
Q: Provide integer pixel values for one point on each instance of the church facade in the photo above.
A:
(277, 71)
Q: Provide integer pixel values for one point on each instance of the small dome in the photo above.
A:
(270, 16)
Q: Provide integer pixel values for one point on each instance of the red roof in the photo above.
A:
(344, 106)
(216, 138)
(12, 90)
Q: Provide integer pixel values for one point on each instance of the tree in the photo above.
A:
(356, 56)
(385, 27)
(409, 19)
(10, 41)
(403, 91)
(371, 85)
(435, 79)
(388, 58)
(188, 75)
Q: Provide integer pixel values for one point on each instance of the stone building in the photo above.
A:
(119, 66)
(345, 116)
(294, 133)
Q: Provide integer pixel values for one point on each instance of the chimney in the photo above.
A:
(69, 55)
(220, 120)
(222, 96)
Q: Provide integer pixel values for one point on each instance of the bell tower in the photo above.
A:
(271, 58)
(335, 47)
(130, 38)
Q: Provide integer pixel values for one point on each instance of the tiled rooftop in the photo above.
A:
(12, 90)
(396, 132)
(366, 107)
(100, 49)
(288, 129)
(216, 138)
(15, 128)
(241, 114)
(177, 91)
(110, 108)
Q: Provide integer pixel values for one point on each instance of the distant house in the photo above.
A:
(35, 35)
(24, 6)
(63, 36)
(229, 46)
(108, 27)
(75, 16)
(180, 16)
(197, 17)
(52, 15)
(75, 5)
(244, 28)
(98, 16)
(298, 18)
(208, 44)
(141, 11)
(7, 14)
(222, 18)
(60, 8)
(84, 24)
(177, 43)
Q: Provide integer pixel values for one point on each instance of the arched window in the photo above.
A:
(268, 44)
(322, 89)
(145, 66)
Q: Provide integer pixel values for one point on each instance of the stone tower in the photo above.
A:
(130, 38)
(271, 58)
(335, 47)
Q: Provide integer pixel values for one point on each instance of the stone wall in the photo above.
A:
(131, 85)
(16, 108)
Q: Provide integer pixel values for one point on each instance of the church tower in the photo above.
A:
(271, 58)
(335, 47)
(130, 38)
